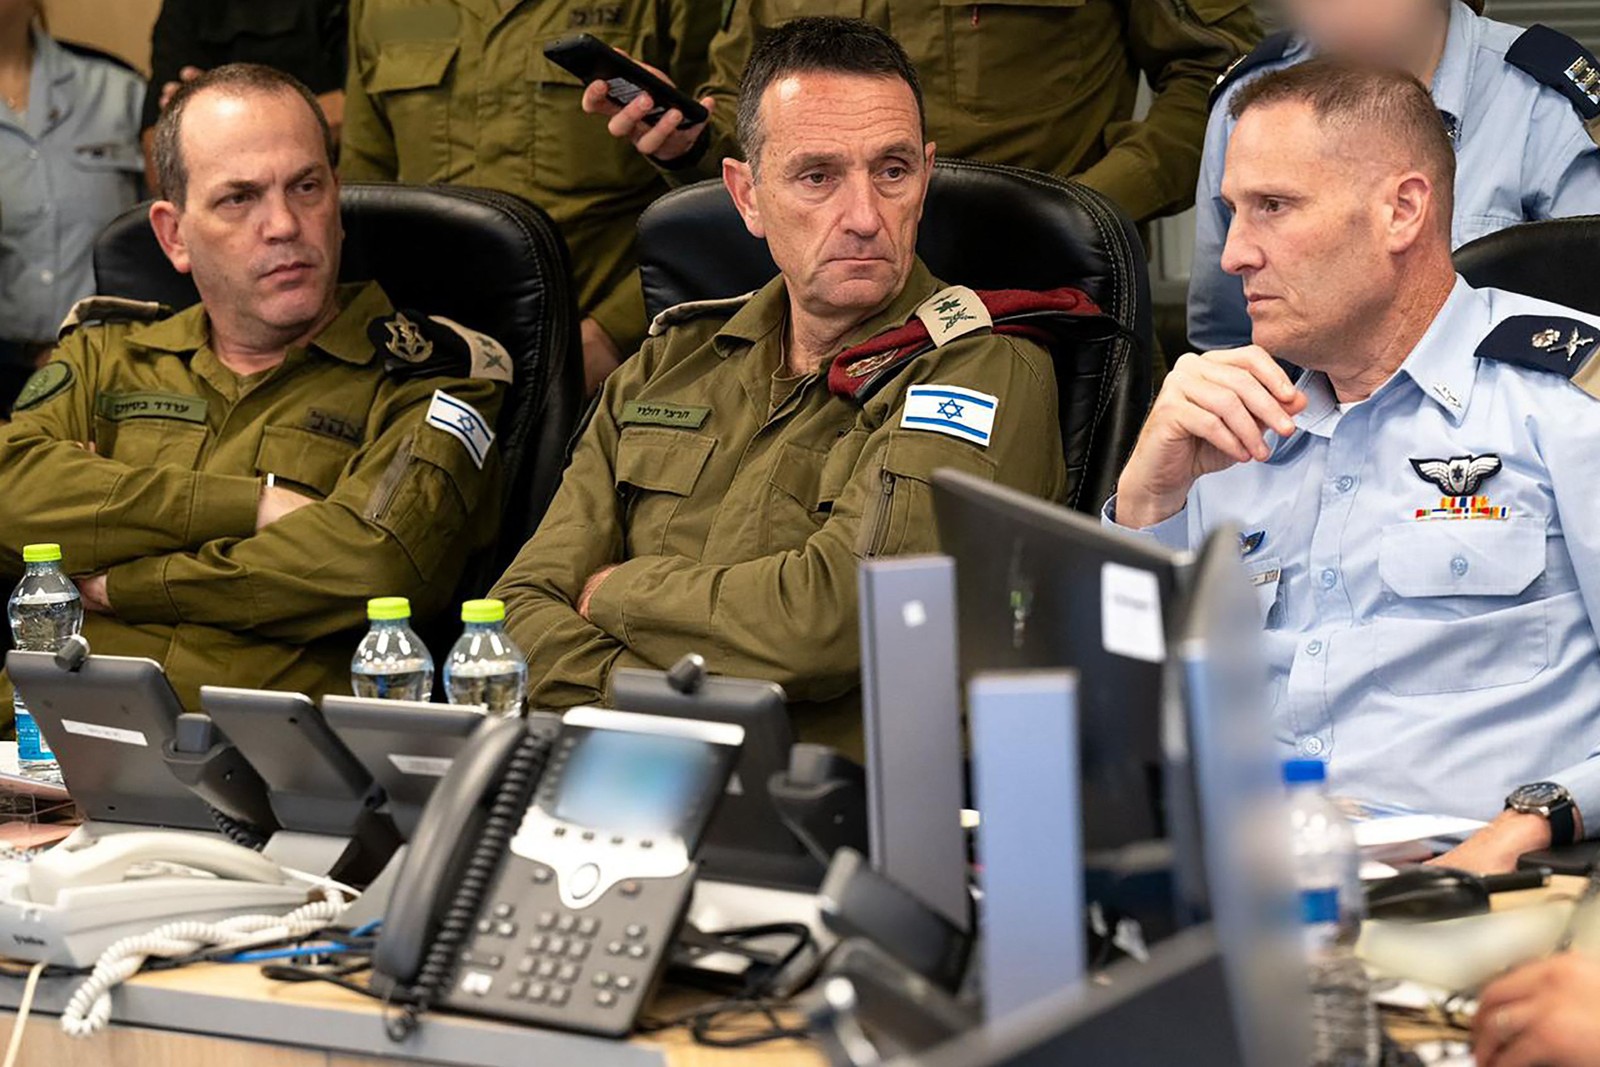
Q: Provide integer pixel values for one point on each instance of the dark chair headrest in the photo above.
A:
(1537, 259)
(488, 260)
(983, 226)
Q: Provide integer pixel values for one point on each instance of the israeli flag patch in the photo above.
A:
(949, 409)
(461, 421)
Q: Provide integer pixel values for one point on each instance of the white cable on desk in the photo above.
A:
(90, 1007)
(28, 991)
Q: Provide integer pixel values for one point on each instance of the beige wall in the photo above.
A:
(121, 27)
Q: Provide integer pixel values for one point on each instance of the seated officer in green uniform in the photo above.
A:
(231, 483)
(736, 472)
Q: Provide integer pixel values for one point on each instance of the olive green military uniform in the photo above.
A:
(459, 91)
(742, 501)
(144, 456)
(1044, 84)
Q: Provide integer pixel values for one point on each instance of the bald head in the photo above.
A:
(1374, 123)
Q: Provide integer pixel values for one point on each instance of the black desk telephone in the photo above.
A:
(552, 867)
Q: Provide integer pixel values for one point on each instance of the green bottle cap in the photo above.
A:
(41, 553)
(483, 611)
(388, 608)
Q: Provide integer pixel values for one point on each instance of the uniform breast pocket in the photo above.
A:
(310, 463)
(571, 152)
(1016, 57)
(150, 442)
(408, 83)
(657, 469)
(804, 486)
(1456, 625)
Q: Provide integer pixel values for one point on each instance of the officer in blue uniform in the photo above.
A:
(1522, 109)
(1418, 510)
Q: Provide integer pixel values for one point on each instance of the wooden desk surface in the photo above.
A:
(44, 1044)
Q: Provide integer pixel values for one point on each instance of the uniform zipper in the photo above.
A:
(880, 522)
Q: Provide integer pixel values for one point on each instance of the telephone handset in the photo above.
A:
(549, 874)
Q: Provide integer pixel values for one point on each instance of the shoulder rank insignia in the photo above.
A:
(431, 346)
(1549, 343)
(1458, 475)
(1555, 60)
(1056, 315)
(1272, 48)
(92, 310)
(678, 314)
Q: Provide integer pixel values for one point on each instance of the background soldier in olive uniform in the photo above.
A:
(460, 91)
(147, 446)
(1044, 84)
(736, 471)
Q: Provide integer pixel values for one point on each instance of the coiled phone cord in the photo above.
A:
(522, 774)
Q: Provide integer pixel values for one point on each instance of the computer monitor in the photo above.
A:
(747, 843)
(106, 722)
(1040, 587)
(407, 746)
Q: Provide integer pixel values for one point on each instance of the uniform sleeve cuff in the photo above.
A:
(1120, 177)
(137, 591)
(621, 314)
(608, 608)
(224, 505)
(1171, 532)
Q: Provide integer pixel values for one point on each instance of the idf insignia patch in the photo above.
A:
(1458, 475)
(1549, 343)
(431, 346)
(45, 383)
(953, 312)
(406, 340)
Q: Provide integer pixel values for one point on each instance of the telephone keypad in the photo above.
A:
(605, 951)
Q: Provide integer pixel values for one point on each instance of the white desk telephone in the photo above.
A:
(68, 905)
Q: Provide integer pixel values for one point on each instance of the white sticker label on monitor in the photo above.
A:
(421, 766)
(1130, 613)
(105, 733)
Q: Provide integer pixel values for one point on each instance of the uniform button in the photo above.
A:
(1459, 566)
(1345, 483)
(33, 153)
(1329, 579)
(1313, 648)
(1311, 746)
(47, 276)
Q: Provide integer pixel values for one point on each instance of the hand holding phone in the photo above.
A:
(642, 104)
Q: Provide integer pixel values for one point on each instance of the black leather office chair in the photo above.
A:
(987, 227)
(1537, 259)
(490, 261)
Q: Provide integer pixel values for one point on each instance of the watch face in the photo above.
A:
(1538, 795)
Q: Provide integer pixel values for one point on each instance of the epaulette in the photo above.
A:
(1273, 47)
(678, 314)
(1549, 343)
(1047, 317)
(89, 52)
(92, 310)
(1553, 59)
(415, 345)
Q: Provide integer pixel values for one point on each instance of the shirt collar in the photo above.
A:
(765, 312)
(1452, 81)
(1444, 365)
(345, 338)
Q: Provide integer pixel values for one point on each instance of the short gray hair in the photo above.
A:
(234, 79)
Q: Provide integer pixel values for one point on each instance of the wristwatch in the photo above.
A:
(1551, 801)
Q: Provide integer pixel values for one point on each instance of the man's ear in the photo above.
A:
(740, 181)
(164, 216)
(929, 151)
(1411, 210)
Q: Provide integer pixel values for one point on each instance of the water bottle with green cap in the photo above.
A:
(391, 663)
(485, 666)
(44, 611)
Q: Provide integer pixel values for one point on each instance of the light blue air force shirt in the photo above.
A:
(67, 168)
(1436, 651)
(1522, 154)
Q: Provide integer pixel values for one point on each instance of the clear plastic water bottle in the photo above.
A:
(44, 611)
(485, 666)
(392, 663)
(1345, 1029)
